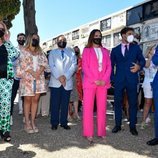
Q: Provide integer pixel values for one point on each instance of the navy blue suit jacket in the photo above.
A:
(121, 64)
(155, 62)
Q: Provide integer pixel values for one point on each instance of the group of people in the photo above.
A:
(25, 68)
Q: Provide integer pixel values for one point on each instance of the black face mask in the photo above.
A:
(21, 42)
(1, 33)
(97, 41)
(61, 44)
(35, 42)
(77, 53)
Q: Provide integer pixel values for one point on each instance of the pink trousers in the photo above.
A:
(88, 106)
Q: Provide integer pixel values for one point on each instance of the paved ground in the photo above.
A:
(62, 143)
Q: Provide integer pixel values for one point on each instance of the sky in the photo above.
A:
(53, 17)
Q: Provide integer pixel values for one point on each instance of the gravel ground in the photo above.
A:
(62, 143)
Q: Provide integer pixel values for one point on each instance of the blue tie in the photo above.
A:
(126, 50)
(62, 54)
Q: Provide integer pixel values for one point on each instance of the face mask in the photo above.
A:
(130, 38)
(77, 53)
(21, 42)
(97, 41)
(61, 44)
(1, 33)
(35, 42)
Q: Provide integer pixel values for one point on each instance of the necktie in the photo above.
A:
(62, 54)
(126, 50)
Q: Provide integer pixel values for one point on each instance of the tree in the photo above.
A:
(29, 17)
(8, 10)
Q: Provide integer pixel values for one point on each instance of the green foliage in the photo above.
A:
(8, 10)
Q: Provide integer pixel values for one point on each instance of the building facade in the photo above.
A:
(142, 17)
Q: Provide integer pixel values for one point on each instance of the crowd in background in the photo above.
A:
(62, 83)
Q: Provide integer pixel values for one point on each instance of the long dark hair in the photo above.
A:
(91, 36)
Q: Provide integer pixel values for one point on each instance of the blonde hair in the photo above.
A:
(29, 43)
(5, 28)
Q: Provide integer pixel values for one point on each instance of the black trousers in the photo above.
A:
(14, 92)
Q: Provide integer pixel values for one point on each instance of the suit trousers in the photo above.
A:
(59, 105)
(14, 92)
(89, 95)
(131, 90)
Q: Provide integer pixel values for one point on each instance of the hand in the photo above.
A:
(100, 83)
(37, 74)
(62, 78)
(135, 68)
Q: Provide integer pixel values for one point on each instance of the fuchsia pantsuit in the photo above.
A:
(90, 90)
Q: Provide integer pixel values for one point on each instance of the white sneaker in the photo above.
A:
(11, 120)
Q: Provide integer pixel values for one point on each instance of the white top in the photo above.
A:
(150, 73)
(99, 57)
(35, 62)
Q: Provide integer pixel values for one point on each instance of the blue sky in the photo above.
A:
(57, 16)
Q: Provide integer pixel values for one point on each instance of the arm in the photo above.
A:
(85, 66)
(68, 74)
(113, 62)
(141, 59)
(155, 57)
(107, 74)
(52, 65)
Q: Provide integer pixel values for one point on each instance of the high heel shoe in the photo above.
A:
(35, 129)
(90, 140)
(7, 137)
(28, 130)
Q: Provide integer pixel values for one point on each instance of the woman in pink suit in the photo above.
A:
(96, 80)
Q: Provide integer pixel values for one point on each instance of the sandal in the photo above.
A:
(7, 137)
(35, 129)
(28, 130)
(90, 140)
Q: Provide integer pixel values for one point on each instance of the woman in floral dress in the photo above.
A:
(32, 83)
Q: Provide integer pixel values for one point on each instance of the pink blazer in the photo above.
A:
(90, 68)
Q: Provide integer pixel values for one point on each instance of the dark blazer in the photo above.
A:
(155, 62)
(121, 73)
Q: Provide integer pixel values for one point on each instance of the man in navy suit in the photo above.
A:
(155, 96)
(127, 60)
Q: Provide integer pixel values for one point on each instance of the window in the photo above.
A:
(150, 10)
(134, 15)
(116, 38)
(75, 35)
(106, 40)
(105, 24)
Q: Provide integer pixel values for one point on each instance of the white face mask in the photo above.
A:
(130, 38)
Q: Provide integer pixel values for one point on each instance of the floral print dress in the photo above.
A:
(28, 86)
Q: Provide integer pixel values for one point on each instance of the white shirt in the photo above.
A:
(99, 57)
(35, 62)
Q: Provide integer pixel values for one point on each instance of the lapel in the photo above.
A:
(120, 51)
(94, 56)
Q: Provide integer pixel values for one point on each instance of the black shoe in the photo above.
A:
(153, 142)
(65, 127)
(133, 131)
(54, 127)
(116, 129)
